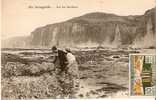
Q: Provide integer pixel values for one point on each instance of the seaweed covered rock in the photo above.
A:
(31, 69)
(23, 87)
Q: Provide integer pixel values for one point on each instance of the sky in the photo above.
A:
(21, 17)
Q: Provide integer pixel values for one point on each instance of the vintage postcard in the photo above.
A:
(143, 75)
(61, 49)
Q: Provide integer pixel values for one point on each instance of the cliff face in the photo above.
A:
(147, 38)
(16, 42)
(95, 28)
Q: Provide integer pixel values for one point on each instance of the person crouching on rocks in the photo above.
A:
(73, 70)
(60, 68)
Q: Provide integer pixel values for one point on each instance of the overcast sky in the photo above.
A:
(18, 19)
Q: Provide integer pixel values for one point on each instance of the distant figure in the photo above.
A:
(73, 70)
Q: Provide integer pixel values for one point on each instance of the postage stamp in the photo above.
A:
(142, 75)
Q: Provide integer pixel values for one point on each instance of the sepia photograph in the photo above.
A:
(76, 49)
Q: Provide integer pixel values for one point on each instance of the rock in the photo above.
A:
(116, 56)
